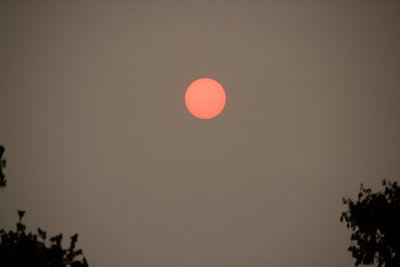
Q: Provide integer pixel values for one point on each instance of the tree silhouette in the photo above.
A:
(374, 219)
(20, 248)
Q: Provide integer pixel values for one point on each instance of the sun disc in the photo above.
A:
(205, 98)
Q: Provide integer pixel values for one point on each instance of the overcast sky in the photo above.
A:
(98, 139)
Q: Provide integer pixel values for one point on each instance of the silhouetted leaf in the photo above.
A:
(21, 214)
(42, 234)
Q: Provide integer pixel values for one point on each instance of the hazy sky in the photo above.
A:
(99, 142)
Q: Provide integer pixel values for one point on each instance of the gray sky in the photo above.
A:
(99, 142)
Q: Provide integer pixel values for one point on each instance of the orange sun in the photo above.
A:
(205, 98)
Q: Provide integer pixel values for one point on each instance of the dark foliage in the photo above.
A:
(3, 181)
(374, 219)
(21, 249)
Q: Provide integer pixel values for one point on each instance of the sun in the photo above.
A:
(205, 98)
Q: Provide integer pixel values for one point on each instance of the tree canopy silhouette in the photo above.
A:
(20, 248)
(374, 219)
